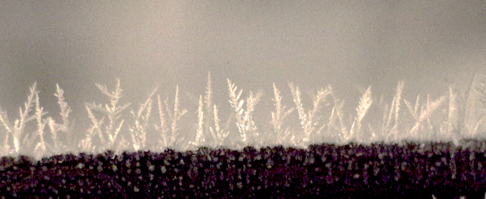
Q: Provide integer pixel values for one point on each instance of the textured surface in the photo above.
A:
(386, 171)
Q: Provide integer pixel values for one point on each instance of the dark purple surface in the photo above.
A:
(350, 171)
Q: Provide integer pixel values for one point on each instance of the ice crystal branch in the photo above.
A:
(393, 112)
(199, 132)
(174, 116)
(363, 107)
(139, 129)
(18, 128)
(308, 121)
(279, 116)
(244, 119)
(112, 113)
(40, 127)
(237, 104)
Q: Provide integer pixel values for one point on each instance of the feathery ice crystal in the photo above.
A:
(418, 122)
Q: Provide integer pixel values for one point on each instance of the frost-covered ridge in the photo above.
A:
(447, 118)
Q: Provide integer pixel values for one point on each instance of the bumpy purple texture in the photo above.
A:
(350, 171)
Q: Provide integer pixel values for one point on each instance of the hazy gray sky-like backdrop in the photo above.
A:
(348, 44)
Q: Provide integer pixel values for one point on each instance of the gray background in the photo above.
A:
(348, 44)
